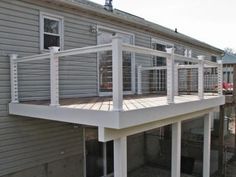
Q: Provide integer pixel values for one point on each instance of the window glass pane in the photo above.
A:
(50, 41)
(51, 26)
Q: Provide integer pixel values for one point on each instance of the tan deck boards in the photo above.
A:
(130, 102)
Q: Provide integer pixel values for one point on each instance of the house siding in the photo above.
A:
(27, 143)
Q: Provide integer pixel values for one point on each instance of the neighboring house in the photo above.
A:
(228, 61)
(63, 104)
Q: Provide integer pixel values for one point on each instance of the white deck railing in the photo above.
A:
(173, 64)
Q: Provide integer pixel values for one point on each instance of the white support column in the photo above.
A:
(220, 77)
(117, 73)
(170, 76)
(176, 150)
(207, 145)
(201, 77)
(139, 72)
(14, 78)
(54, 76)
(176, 79)
(120, 157)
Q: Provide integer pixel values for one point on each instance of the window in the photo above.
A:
(51, 31)
(214, 58)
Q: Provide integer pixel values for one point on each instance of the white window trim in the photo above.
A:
(133, 63)
(58, 18)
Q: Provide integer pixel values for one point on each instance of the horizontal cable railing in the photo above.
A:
(175, 77)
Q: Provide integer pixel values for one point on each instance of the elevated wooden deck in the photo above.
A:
(131, 102)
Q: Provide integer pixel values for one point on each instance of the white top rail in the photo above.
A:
(153, 68)
(84, 50)
(144, 50)
(33, 58)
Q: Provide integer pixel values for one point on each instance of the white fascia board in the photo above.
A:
(87, 117)
(108, 134)
(142, 116)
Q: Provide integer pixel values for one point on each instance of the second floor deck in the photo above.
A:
(129, 93)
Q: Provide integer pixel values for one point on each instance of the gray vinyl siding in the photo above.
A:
(26, 143)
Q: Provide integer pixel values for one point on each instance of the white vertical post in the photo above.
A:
(117, 73)
(170, 76)
(220, 77)
(139, 79)
(201, 77)
(54, 77)
(120, 157)
(176, 150)
(176, 79)
(207, 145)
(14, 78)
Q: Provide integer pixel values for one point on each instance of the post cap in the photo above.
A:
(220, 62)
(13, 56)
(201, 57)
(54, 49)
(169, 50)
(116, 36)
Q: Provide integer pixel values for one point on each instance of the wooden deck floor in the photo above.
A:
(131, 102)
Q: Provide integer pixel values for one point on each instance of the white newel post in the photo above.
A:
(201, 77)
(176, 150)
(120, 157)
(54, 76)
(117, 73)
(139, 79)
(207, 144)
(170, 76)
(14, 78)
(220, 77)
(176, 79)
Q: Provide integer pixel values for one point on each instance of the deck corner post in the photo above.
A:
(176, 150)
(120, 157)
(207, 144)
(54, 76)
(117, 73)
(170, 76)
(176, 79)
(220, 77)
(139, 79)
(201, 77)
(14, 78)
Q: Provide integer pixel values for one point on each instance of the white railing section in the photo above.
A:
(173, 64)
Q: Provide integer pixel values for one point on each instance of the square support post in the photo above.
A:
(54, 76)
(139, 79)
(120, 157)
(117, 73)
(176, 79)
(14, 78)
(207, 145)
(220, 77)
(170, 76)
(201, 77)
(176, 150)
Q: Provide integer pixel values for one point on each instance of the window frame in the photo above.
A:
(60, 19)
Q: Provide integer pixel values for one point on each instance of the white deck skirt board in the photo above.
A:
(116, 119)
